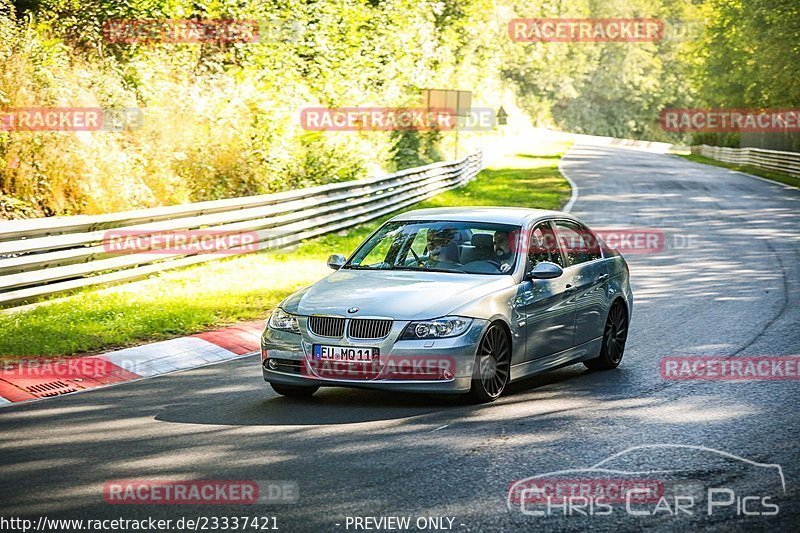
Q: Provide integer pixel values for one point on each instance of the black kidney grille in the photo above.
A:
(369, 328)
(326, 326)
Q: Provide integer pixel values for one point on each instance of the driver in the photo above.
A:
(502, 246)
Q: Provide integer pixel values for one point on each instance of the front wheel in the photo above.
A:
(615, 334)
(293, 391)
(492, 366)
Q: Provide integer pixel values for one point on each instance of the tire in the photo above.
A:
(615, 334)
(492, 366)
(293, 391)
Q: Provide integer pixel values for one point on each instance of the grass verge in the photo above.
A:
(773, 175)
(195, 299)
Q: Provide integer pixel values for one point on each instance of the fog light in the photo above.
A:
(272, 364)
(447, 374)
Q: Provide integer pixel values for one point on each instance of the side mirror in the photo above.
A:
(336, 261)
(546, 270)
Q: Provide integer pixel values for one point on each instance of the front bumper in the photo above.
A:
(405, 365)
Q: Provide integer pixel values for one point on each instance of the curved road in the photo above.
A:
(727, 283)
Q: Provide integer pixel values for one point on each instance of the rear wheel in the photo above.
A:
(615, 334)
(492, 366)
(293, 391)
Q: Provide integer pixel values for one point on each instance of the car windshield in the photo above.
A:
(440, 246)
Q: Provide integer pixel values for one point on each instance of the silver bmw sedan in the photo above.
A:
(454, 300)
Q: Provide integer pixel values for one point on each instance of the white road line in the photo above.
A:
(731, 171)
(574, 196)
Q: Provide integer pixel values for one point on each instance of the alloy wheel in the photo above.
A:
(494, 361)
(615, 334)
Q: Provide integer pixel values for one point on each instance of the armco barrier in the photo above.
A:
(40, 257)
(788, 162)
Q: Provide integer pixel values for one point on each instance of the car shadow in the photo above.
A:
(332, 405)
(327, 406)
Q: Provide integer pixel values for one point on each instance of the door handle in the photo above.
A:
(602, 277)
(569, 288)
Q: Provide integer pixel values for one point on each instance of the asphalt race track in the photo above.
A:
(726, 283)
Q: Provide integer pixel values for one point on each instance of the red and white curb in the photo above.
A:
(29, 380)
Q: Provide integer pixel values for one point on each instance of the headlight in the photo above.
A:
(439, 328)
(284, 321)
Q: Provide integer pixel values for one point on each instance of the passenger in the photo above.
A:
(442, 248)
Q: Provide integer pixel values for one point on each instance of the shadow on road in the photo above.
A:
(344, 406)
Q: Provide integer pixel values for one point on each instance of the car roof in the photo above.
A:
(498, 215)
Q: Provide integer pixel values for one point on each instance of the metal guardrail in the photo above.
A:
(45, 256)
(788, 162)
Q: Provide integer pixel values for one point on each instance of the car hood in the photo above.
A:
(401, 295)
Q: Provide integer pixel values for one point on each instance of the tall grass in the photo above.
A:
(202, 137)
(218, 121)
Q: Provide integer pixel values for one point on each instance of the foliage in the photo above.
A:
(752, 54)
(615, 89)
(221, 119)
(720, 53)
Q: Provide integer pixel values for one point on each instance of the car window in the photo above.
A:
(460, 247)
(580, 244)
(377, 256)
(420, 242)
(543, 246)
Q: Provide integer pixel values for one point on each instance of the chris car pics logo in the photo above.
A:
(652, 480)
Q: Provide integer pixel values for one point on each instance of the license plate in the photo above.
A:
(348, 354)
